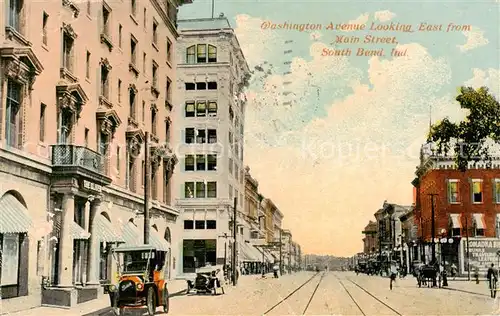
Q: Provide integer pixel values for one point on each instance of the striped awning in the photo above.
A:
(247, 254)
(157, 241)
(269, 257)
(104, 230)
(76, 231)
(479, 220)
(14, 217)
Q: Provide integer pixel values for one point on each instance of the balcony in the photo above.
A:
(79, 162)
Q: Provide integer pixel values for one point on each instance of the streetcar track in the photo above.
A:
(295, 291)
(314, 292)
(367, 292)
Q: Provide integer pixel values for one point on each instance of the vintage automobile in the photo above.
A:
(140, 282)
(208, 280)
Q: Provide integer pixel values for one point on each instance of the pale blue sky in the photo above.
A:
(379, 101)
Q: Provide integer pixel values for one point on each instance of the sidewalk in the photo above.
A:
(175, 287)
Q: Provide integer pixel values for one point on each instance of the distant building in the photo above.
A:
(370, 241)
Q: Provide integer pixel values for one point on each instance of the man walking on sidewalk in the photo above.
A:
(393, 273)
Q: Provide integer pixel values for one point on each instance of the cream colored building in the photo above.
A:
(209, 131)
(81, 84)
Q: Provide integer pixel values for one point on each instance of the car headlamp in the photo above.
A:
(112, 288)
(140, 286)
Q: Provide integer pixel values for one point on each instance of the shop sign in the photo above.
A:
(87, 185)
(482, 252)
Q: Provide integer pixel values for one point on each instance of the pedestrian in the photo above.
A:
(393, 273)
(275, 270)
(492, 277)
(453, 271)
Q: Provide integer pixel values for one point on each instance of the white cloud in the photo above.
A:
(384, 16)
(489, 78)
(475, 38)
(362, 19)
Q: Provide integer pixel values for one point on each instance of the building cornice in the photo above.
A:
(27, 159)
(161, 12)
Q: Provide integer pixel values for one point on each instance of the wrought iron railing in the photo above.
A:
(80, 156)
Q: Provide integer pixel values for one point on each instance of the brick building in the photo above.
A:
(370, 242)
(467, 204)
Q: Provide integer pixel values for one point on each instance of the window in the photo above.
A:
(189, 190)
(12, 117)
(167, 131)
(155, 32)
(190, 86)
(119, 91)
(199, 224)
(42, 122)
(189, 137)
(87, 66)
(211, 162)
(477, 191)
(201, 86)
(497, 190)
(190, 109)
(212, 108)
(169, 89)
(236, 172)
(143, 111)
(44, 28)
(133, 7)
(201, 162)
(86, 137)
(130, 176)
(144, 23)
(143, 171)
(453, 191)
(144, 63)
(15, 9)
(201, 138)
(230, 191)
(10, 259)
(211, 224)
(154, 74)
(478, 232)
(212, 54)
(153, 121)
(67, 59)
(212, 136)
(230, 164)
(201, 53)
(106, 13)
(201, 108)
(120, 35)
(190, 55)
(118, 162)
(188, 224)
(230, 138)
(169, 50)
(212, 85)
(497, 228)
(212, 189)
(200, 190)
(105, 81)
(133, 50)
(189, 163)
(131, 102)
(89, 7)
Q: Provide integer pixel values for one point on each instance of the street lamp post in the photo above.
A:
(281, 254)
(146, 189)
(235, 253)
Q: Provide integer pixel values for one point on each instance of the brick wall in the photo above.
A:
(435, 181)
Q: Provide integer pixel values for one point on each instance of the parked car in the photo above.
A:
(208, 280)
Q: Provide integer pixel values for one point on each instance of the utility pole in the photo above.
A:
(281, 255)
(467, 244)
(235, 261)
(146, 189)
(213, 6)
(433, 227)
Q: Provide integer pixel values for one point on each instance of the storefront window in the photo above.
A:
(10, 259)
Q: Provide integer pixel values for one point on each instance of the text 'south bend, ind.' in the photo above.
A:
(375, 40)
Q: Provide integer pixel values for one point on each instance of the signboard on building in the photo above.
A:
(90, 186)
(482, 251)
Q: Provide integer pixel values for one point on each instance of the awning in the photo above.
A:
(479, 220)
(157, 241)
(104, 230)
(246, 253)
(14, 217)
(131, 235)
(455, 221)
(269, 257)
(76, 231)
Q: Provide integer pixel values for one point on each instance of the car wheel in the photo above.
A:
(150, 303)
(166, 300)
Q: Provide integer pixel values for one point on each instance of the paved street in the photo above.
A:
(338, 293)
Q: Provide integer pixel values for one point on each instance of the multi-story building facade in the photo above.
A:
(389, 230)
(209, 130)
(466, 204)
(81, 84)
(410, 238)
(287, 251)
(370, 241)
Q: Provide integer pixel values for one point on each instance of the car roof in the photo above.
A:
(134, 248)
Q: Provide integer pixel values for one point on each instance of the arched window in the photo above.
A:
(190, 55)
(212, 54)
